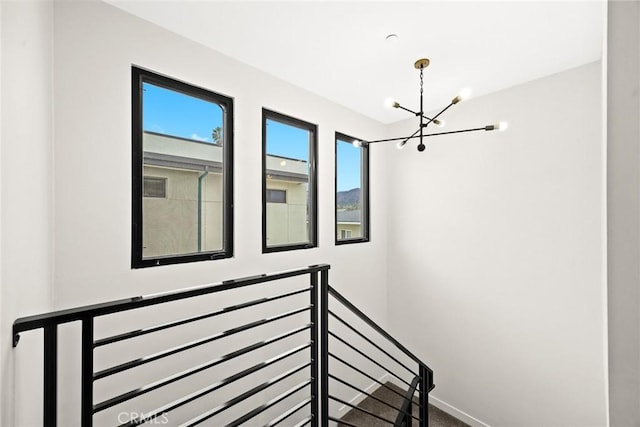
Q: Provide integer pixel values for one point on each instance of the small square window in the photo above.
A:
(276, 196)
(154, 187)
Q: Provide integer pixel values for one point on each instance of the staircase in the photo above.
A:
(275, 349)
(382, 404)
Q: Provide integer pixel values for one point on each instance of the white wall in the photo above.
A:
(94, 46)
(26, 196)
(502, 267)
(501, 273)
(623, 191)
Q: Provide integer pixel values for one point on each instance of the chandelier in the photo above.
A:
(425, 121)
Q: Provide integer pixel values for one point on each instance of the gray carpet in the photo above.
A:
(437, 418)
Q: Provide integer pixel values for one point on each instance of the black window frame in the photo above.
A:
(313, 181)
(138, 77)
(364, 191)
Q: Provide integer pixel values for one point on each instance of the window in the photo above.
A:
(182, 158)
(289, 208)
(352, 190)
(154, 187)
(276, 196)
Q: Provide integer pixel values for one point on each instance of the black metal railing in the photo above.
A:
(304, 332)
(277, 368)
(355, 349)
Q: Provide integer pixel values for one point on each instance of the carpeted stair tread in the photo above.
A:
(437, 418)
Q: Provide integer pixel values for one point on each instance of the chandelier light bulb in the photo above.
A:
(502, 126)
(391, 103)
(462, 96)
(465, 93)
(439, 123)
(400, 144)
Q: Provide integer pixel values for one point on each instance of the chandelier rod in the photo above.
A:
(415, 113)
(488, 127)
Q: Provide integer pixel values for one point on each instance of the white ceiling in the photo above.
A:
(338, 50)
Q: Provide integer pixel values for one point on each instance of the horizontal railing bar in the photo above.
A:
(344, 402)
(78, 313)
(369, 395)
(341, 422)
(375, 326)
(196, 395)
(372, 343)
(289, 413)
(368, 357)
(133, 334)
(408, 399)
(186, 373)
(203, 417)
(150, 358)
(304, 422)
(360, 371)
(269, 404)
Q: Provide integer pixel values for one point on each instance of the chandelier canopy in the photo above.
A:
(425, 121)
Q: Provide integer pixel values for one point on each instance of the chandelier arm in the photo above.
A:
(453, 131)
(412, 136)
(438, 115)
(415, 113)
(394, 139)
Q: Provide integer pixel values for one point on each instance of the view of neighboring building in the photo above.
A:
(349, 224)
(182, 203)
(182, 188)
(349, 214)
(287, 187)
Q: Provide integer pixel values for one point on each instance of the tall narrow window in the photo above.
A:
(289, 208)
(182, 172)
(352, 191)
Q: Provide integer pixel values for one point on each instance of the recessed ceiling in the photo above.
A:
(339, 50)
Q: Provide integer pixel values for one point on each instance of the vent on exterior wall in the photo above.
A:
(276, 196)
(154, 187)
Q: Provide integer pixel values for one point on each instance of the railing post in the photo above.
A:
(314, 350)
(86, 403)
(50, 379)
(324, 346)
(424, 396)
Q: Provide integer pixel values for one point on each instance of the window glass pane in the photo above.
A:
(351, 190)
(182, 144)
(289, 145)
(184, 152)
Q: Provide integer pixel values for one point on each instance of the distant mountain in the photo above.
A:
(350, 198)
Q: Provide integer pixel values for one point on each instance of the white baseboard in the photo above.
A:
(440, 404)
(455, 412)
